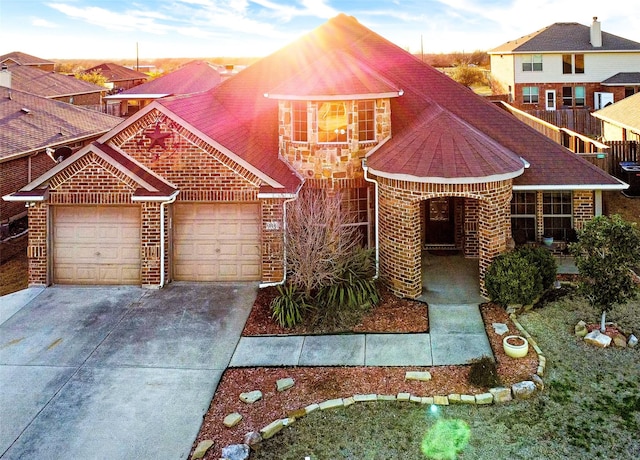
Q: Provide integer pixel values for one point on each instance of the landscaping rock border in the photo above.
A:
(498, 395)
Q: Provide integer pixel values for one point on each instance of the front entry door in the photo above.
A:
(550, 97)
(440, 223)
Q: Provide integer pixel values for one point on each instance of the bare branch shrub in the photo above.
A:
(319, 239)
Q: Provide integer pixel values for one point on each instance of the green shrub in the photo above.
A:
(446, 439)
(544, 261)
(511, 279)
(484, 373)
(288, 307)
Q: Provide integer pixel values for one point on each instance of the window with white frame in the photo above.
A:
(523, 216)
(332, 122)
(532, 63)
(300, 121)
(366, 121)
(357, 205)
(530, 95)
(557, 214)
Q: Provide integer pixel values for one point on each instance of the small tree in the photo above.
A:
(468, 75)
(94, 77)
(605, 253)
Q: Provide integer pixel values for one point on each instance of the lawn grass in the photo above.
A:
(590, 407)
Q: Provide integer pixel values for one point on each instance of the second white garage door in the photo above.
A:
(216, 242)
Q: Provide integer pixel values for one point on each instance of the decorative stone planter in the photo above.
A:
(515, 346)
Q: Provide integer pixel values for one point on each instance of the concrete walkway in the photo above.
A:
(456, 330)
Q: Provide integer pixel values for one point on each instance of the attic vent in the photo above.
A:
(25, 110)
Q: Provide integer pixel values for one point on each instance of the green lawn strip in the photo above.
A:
(590, 407)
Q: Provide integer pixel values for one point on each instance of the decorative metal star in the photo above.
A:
(157, 137)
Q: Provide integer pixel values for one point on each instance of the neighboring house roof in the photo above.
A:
(24, 59)
(49, 84)
(193, 77)
(236, 115)
(30, 123)
(623, 78)
(624, 113)
(114, 72)
(565, 36)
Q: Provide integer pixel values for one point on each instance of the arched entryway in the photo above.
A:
(482, 210)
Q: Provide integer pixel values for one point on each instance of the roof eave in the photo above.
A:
(448, 180)
(334, 97)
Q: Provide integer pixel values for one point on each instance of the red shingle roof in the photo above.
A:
(24, 59)
(238, 116)
(49, 84)
(194, 77)
(114, 72)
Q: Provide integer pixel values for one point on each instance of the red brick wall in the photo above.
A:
(37, 246)
(400, 227)
(82, 99)
(272, 240)
(583, 207)
(590, 88)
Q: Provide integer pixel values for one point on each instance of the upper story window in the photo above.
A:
(332, 122)
(532, 63)
(366, 121)
(572, 63)
(530, 95)
(300, 121)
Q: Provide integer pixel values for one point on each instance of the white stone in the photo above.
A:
(366, 398)
(251, 396)
(501, 394)
(454, 398)
(633, 341)
(386, 397)
(403, 396)
(311, 408)
(598, 339)
(232, 420)
(484, 398)
(331, 404)
(201, 449)
(500, 328)
(427, 400)
(523, 390)
(441, 400)
(284, 384)
(417, 375)
(271, 429)
(236, 452)
(466, 399)
(346, 402)
(535, 378)
(252, 439)
(415, 399)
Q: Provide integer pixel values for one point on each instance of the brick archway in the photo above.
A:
(399, 221)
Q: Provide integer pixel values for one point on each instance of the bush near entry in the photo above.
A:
(520, 276)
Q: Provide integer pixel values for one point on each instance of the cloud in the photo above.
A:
(39, 22)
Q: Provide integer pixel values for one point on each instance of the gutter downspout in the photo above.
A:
(365, 168)
(284, 245)
(162, 251)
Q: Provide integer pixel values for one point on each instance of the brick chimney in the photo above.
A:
(596, 33)
(5, 76)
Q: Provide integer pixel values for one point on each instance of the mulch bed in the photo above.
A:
(317, 384)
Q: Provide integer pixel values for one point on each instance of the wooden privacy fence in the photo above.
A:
(579, 120)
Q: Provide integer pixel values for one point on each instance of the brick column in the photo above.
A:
(150, 245)
(37, 246)
(399, 240)
(272, 240)
(583, 208)
(494, 227)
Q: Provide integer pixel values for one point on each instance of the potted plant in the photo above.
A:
(515, 346)
(547, 240)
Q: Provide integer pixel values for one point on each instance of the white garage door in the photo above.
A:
(216, 242)
(96, 245)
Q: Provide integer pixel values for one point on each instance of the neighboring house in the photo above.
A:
(52, 85)
(567, 65)
(34, 133)
(195, 188)
(120, 78)
(621, 121)
(23, 59)
(193, 77)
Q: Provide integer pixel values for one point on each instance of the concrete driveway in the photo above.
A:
(113, 372)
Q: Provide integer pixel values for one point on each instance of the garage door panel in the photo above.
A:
(96, 245)
(218, 241)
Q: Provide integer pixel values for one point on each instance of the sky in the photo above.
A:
(115, 29)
